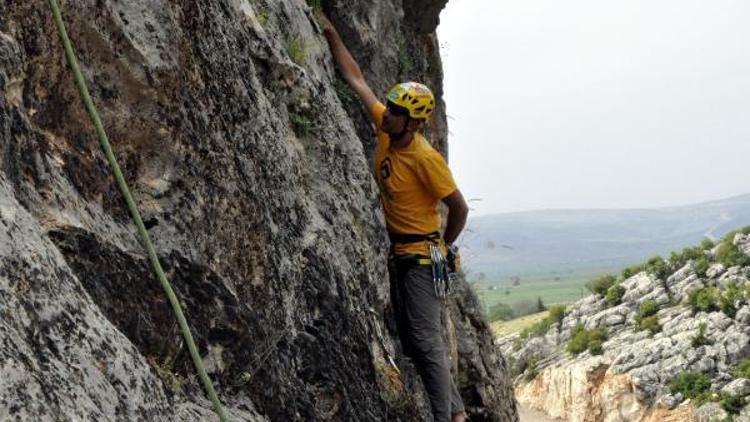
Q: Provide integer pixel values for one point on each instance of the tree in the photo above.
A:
(540, 305)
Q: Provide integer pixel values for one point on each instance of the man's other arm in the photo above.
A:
(457, 213)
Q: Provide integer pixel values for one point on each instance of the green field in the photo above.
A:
(506, 328)
(550, 288)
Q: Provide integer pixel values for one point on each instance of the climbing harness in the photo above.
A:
(122, 184)
(413, 238)
(443, 268)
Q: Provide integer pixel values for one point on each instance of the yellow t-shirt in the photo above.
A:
(412, 181)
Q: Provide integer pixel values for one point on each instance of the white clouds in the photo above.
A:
(597, 103)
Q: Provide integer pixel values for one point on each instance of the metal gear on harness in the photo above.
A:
(441, 274)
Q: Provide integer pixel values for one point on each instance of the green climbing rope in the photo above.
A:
(145, 240)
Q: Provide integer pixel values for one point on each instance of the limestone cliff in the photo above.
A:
(248, 158)
(676, 346)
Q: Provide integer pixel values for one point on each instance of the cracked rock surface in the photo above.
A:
(249, 161)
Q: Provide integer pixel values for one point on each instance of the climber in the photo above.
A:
(413, 178)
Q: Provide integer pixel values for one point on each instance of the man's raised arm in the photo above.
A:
(348, 67)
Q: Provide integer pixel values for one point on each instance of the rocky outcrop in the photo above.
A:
(248, 159)
(585, 391)
(631, 379)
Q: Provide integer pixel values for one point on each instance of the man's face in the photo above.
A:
(395, 119)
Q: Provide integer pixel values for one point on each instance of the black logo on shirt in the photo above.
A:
(385, 173)
(385, 168)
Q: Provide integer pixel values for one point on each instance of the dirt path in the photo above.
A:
(529, 415)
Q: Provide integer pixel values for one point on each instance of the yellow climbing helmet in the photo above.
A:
(414, 97)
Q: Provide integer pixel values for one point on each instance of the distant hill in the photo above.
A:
(567, 241)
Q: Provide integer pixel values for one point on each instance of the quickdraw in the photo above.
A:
(441, 276)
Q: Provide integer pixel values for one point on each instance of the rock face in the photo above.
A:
(248, 159)
(631, 379)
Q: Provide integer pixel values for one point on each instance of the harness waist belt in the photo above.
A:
(409, 260)
(413, 238)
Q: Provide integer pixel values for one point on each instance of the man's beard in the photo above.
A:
(394, 136)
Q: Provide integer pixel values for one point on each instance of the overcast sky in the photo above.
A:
(597, 103)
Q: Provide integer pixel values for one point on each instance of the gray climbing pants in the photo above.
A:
(418, 311)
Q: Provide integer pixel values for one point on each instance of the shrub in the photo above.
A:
(701, 266)
(614, 295)
(743, 369)
(646, 318)
(557, 312)
(556, 315)
(732, 404)
(595, 347)
(631, 271)
(678, 259)
(707, 244)
(729, 236)
(531, 370)
(658, 267)
(700, 339)
(703, 300)
(649, 323)
(579, 340)
(316, 5)
(538, 329)
(518, 343)
(601, 284)
(300, 124)
(731, 295)
(597, 337)
(705, 398)
(345, 93)
(730, 255)
(263, 17)
(648, 308)
(406, 63)
(298, 50)
(690, 384)
(582, 339)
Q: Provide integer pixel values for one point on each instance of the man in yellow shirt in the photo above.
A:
(413, 178)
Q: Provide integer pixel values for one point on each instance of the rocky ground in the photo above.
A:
(248, 158)
(632, 377)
